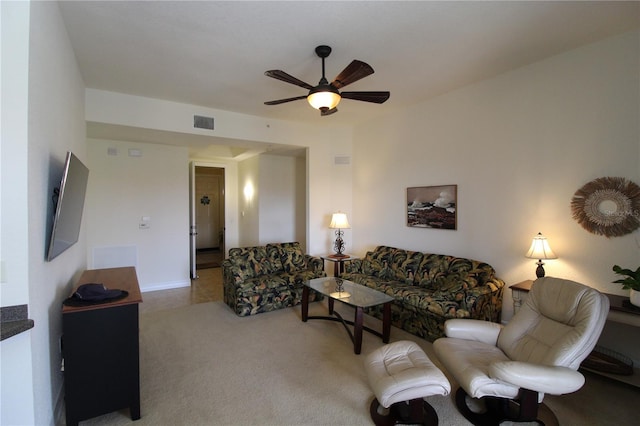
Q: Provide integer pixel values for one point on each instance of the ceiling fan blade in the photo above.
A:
(281, 101)
(283, 76)
(352, 73)
(328, 112)
(375, 97)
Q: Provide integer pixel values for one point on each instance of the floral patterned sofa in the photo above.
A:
(428, 288)
(265, 278)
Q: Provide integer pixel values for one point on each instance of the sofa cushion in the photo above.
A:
(291, 256)
(363, 279)
(251, 262)
(301, 275)
(273, 251)
(262, 283)
(403, 265)
(449, 284)
(431, 267)
(435, 266)
(374, 267)
(377, 262)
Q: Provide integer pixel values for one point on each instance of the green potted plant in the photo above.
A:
(631, 282)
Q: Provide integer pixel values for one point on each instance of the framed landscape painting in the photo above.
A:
(432, 206)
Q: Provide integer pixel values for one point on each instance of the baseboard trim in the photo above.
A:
(164, 286)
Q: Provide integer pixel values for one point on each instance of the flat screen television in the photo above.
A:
(68, 206)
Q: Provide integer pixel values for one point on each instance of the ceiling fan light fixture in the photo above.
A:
(324, 97)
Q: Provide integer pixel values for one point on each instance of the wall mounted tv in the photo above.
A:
(69, 203)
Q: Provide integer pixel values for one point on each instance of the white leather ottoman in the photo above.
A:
(401, 376)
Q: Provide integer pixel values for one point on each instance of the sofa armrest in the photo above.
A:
(232, 273)
(476, 330)
(553, 380)
(484, 302)
(314, 264)
(353, 266)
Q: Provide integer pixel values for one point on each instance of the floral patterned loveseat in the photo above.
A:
(265, 278)
(428, 288)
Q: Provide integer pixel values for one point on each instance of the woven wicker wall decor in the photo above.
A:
(608, 206)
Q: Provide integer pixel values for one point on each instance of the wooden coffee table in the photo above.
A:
(351, 294)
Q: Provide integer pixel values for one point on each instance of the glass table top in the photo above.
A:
(348, 292)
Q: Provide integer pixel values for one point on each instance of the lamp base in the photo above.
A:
(539, 269)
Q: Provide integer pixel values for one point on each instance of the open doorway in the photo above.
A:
(208, 227)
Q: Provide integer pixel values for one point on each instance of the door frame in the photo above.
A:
(192, 212)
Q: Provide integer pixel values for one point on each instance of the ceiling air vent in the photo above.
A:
(200, 122)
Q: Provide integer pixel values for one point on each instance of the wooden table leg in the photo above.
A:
(305, 303)
(386, 322)
(357, 330)
(330, 303)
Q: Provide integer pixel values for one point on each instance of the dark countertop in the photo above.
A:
(14, 320)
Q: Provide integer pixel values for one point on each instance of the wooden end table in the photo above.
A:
(338, 262)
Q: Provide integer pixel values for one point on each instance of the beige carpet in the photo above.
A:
(203, 365)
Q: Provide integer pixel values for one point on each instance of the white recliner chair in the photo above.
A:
(504, 371)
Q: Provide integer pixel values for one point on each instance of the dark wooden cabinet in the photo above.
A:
(101, 350)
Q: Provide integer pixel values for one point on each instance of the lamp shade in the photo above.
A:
(540, 248)
(339, 221)
(324, 98)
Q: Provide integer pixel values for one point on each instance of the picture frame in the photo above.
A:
(433, 207)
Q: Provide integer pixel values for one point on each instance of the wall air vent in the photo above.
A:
(341, 160)
(200, 122)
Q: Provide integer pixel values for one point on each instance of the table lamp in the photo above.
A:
(339, 222)
(540, 250)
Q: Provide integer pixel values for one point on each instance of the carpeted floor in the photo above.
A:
(203, 365)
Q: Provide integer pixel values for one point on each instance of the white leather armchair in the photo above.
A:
(506, 370)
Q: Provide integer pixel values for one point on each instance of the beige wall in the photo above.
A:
(328, 190)
(39, 137)
(124, 189)
(249, 202)
(282, 202)
(272, 200)
(518, 146)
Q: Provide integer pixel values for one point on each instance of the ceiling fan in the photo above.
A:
(326, 96)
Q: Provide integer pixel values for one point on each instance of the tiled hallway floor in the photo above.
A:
(207, 288)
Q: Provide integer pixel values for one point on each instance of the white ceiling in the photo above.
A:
(215, 53)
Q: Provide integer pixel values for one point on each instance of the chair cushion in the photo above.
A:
(469, 362)
(559, 324)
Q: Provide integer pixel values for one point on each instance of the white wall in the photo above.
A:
(281, 211)
(39, 139)
(327, 191)
(518, 146)
(56, 125)
(123, 190)
(249, 195)
(17, 399)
